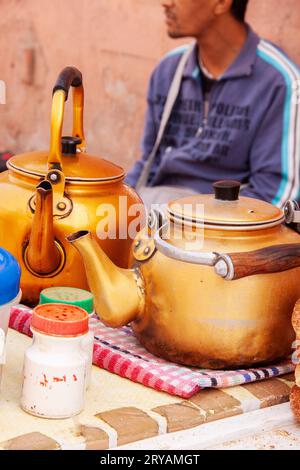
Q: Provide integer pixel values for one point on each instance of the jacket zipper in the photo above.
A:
(205, 115)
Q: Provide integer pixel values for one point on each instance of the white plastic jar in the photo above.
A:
(55, 365)
(80, 298)
(10, 295)
(4, 321)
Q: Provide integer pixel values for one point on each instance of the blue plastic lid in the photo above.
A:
(10, 274)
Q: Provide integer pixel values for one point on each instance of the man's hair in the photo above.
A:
(238, 9)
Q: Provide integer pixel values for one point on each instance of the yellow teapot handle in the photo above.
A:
(69, 76)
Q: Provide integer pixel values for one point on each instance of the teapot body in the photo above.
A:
(193, 316)
(46, 195)
(87, 201)
(212, 289)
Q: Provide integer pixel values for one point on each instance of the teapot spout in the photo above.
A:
(43, 254)
(118, 293)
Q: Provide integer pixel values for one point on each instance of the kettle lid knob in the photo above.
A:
(69, 145)
(227, 190)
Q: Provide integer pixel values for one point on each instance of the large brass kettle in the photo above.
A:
(213, 289)
(46, 195)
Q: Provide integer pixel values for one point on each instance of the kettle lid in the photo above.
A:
(225, 209)
(77, 167)
(10, 274)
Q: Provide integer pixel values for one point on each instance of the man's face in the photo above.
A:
(188, 17)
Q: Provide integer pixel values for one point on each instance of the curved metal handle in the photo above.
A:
(232, 266)
(69, 76)
(193, 257)
(292, 212)
(273, 259)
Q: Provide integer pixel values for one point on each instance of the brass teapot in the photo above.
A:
(213, 289)
(45, 195)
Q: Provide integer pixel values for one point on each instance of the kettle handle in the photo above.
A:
(69, 77)
(273, 259)
(232, 266)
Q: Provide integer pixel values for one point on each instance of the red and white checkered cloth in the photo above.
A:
(118, 351)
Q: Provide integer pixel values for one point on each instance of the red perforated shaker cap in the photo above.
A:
(60, 320)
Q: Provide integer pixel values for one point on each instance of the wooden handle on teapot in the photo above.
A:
(272, 259)
(69, 77)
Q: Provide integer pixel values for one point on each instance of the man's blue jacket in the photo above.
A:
(250, 130)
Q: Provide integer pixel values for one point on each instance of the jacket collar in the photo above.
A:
(242, 66)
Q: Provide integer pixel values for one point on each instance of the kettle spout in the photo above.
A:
(43, 255)
(118, 293)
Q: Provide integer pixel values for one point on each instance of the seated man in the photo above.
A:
(236, 114)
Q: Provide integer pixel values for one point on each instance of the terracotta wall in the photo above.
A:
(115, 43)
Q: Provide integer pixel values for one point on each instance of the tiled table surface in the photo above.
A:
(119, 412)
(282, 438)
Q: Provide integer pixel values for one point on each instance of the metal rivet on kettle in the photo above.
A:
(53, 177)
(61, 206)
(147, 250)
(137, 244)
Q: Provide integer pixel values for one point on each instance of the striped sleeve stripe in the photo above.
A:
(178, 50)
(289, 186)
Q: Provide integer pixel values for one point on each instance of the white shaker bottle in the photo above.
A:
(80, 298)
(54, 382)
(10, 295)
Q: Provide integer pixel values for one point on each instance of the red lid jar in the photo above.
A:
(60, 320)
